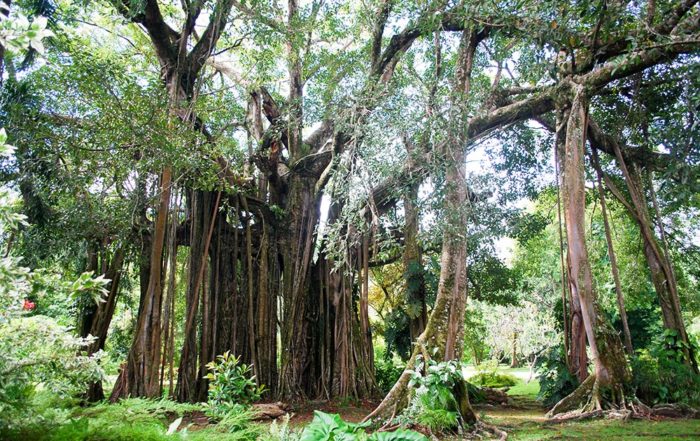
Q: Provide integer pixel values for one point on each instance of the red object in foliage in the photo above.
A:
(28, 305)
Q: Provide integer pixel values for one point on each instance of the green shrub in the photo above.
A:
(129, 419)
(493, 379)
(556, 382)
(387, 372)
(437, 420)
(661, 376)
(231, 385)
(433, 404)
(329, 427)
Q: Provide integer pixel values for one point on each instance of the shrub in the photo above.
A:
(329, 427)
(231, 385)
(434, 404)
(661, 376)
(38, 350)
(556, 382)
(279, 430)
(494, 379)
(387, 372)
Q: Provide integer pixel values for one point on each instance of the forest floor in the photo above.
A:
(524, 418)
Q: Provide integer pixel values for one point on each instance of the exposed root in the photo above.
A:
(482, 427)
(624, 409)
(576, 400)
(574, 415)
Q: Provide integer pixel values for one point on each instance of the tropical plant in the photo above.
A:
(434, 404)
(231, 385)
(37, 349)
(660, 374)
(556, 381)
(329, 427)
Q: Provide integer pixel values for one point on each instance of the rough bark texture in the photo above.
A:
(610, 374)
(413, 266)
(577, 356)
(140, 376)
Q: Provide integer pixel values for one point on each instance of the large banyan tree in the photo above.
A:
(280, 107)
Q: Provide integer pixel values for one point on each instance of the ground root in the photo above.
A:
(481, 428)
(576, 400)
(676, 410)
(632, 409)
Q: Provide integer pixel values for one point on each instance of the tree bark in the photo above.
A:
(611, 255)
(413, 266)
(610, 366)
(444, 333)
(139, 377)
(577, 356)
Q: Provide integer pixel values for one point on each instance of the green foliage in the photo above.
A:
(231, 386)
(19, 34)
(386, 370)
(661, 376)
(554, 377)
(329, 427)
(397, 335)
(239, 420)
(493, 379)
(488, 376)
(129, 419)
(434, 404)
(36, 350)
(279, 430)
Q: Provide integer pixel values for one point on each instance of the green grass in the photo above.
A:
(522, 388)
(668, 430)
(527, 424)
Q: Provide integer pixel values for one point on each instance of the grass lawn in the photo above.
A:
(526, 419)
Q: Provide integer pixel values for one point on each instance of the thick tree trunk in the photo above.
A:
(610, 366)
(577, 356)
(297, 303)
(266, 311)
(140, 376)
(190, 382)
(443, 335)
(613, 258)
